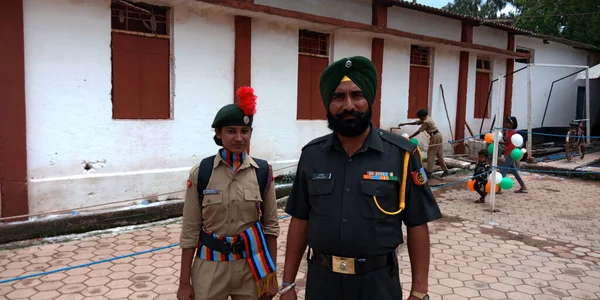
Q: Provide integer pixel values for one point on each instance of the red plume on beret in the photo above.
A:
(247, 101)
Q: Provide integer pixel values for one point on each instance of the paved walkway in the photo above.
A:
(542, 245)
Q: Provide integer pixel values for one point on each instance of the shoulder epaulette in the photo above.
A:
(398, 140)
(317, 141)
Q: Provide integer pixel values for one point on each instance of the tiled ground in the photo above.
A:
(546, 245)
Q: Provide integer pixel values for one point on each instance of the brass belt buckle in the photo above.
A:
(343, 265)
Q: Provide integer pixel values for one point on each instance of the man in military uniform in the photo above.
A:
(352, 191)
(436, 143)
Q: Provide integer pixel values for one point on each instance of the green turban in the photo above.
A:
(359, 69)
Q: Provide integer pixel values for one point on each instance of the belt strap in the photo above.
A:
(221, 246)
(434, 132)
(353, 265)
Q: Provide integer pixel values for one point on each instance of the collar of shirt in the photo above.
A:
(372, 141)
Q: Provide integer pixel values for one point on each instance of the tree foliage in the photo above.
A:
(577, 20)
(479, 8)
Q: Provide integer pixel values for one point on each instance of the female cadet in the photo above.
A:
(229, 229)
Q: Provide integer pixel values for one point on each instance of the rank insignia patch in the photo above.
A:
(419, 177)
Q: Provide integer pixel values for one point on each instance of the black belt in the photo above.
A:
(353, 265)
(433, 132)
(224, 247)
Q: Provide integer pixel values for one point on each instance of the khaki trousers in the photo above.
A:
(216, 280)
(437, 150)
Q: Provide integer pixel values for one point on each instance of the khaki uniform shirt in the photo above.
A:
(234, 209)
(427, 125)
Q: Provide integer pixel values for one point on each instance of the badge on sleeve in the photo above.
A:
(419, 177)
(188, 183)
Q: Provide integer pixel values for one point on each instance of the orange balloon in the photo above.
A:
(488, 187)
(471, 185)
(488, 138)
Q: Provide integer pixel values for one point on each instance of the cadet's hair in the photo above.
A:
(513, 121)
(483, 152)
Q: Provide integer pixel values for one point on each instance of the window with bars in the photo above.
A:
(313, 43)
(139, 17)
(524, 60)
(313, 58)
(140, 63)
(419, 56)
(484, 64)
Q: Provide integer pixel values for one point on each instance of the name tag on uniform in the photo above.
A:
(211, 192)
(321, 176)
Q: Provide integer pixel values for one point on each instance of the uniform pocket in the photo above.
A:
(319, 194)
(211, 205)
(386, 193)
(249, 208)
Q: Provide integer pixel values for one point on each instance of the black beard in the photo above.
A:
(349, 127)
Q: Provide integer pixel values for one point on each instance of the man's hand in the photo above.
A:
(185, 292)
(411, 297)
(290, 295)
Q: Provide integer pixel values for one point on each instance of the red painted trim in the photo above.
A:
(377, 58)
(242, 57)
(355, 25)
(380, 13)
(13, 143)
(510, 67)
(461, 97)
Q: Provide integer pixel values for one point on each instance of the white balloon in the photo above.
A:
(517, 140)
(405, 135)
(497, 136)
(498, 177)
(524, 150)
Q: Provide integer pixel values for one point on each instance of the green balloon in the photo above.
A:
(414, 141)
(506, 183)
(491, 148)
(516, 154)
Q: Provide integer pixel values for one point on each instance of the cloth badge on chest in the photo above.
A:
(419, 177)
(211, 192)
(386, 176)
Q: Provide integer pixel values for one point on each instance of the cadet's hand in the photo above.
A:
(290, 295)
(185, 292)
(411, 297)
(272, 291)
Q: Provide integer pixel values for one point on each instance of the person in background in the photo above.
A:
(509, 165)
(481, 174)
(230, 224)
(436, 142)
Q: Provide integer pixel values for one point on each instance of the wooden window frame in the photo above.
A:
(419, 61)
(317, 60)
(164, 33)
(525, 50)
(481, 67)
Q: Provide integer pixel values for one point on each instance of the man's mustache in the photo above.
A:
(349, 113)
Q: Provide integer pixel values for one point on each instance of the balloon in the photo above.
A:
(524, 150)
(506, 183)
(517, 140)
(488, 187)
(498, 177)
(414, 141)
(516, 154)
(488, 138)
(491, 148)
(497, 136)
(405, 135)
(471, 185)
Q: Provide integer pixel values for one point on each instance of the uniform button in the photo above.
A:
(255, 197)
(380, 133)
(232, 220)
(350, 160)
(376, 191)
(347, 190)
(208, 201)
(344, 221)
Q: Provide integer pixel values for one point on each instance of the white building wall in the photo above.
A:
(69, 111)
(349, 10)
(394, 85)
(422, 23)
(563, 101)
(483, 35)
(445, 73)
